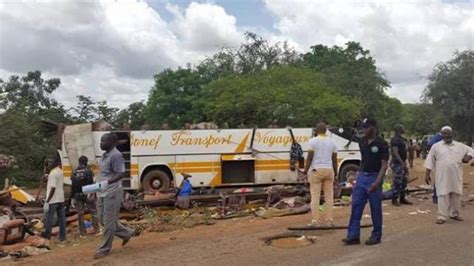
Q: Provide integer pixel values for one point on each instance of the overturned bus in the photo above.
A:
(215, 158)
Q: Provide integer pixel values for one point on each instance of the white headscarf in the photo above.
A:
(446, 128)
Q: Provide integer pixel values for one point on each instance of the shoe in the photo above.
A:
(405, 202)
(457, 218)
(349, 242)
(395, 202)
(126, 240)
(99, 255)
(372, 241)
(440, 221)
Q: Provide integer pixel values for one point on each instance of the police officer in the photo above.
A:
(375, 155)
(399, 166)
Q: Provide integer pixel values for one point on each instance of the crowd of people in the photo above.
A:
(445, 158)
(104, 205)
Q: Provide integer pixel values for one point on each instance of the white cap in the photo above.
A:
(446, 128)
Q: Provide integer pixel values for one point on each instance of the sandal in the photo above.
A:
(440, 221)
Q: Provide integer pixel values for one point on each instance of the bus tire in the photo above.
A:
(348, 170)
(156, 180)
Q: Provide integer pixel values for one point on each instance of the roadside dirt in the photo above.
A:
(239, 241)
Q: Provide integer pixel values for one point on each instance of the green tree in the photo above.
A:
(421, 119)
(352, 71)
(105, 112)
(178, 96)
(286, 95)
(133, 116)
(28, 94)
(451, 90)
(26, 102)
(175, 98)
(85, 109)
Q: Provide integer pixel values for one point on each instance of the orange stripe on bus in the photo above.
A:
(197, 170)
(271, 162)
(193, 164)
(272, 167)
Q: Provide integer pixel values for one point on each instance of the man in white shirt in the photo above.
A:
(54, 203)
(322, 168)
(446, 158)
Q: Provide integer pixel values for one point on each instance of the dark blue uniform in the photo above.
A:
(372, 155)
(399, 172)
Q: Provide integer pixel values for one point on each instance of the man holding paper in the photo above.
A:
(109, 198)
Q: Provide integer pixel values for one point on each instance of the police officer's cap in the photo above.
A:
(369, 122)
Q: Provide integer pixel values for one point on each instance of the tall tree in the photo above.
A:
(105, 112)
(422, 119)
(133, 116)
(352, 71)
(451, 89)
(25, 102)
(29, 93)
(178, 95)
(85, 109)
(175, 98)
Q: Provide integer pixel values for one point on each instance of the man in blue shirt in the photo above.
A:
(375, 155)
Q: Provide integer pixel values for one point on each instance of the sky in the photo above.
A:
(110, 50)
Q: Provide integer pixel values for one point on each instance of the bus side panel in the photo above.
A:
(204, 169)
(274, 168)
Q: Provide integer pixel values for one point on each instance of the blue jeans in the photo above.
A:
(58, 209)
(360, 195)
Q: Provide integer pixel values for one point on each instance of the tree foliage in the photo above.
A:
(178, 96)
(285, 96)
(133, 116)
(352, 71)
(26, 101)
(451, 90)
(421, 119)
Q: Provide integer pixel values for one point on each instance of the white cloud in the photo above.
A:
(111, 49)
(407, 38)
(205, 27)
(107, 49)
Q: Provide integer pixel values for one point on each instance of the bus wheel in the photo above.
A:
(348, 171)
(156, 180)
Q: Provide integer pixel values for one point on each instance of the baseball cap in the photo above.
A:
(369, 122)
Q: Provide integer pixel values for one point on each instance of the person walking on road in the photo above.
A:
(399, 167)
(446, 158)
(374, 164)
(55, 199)
(83, 176)
(109, 199)
(322, 167)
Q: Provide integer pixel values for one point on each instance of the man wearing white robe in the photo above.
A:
(446, 158)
